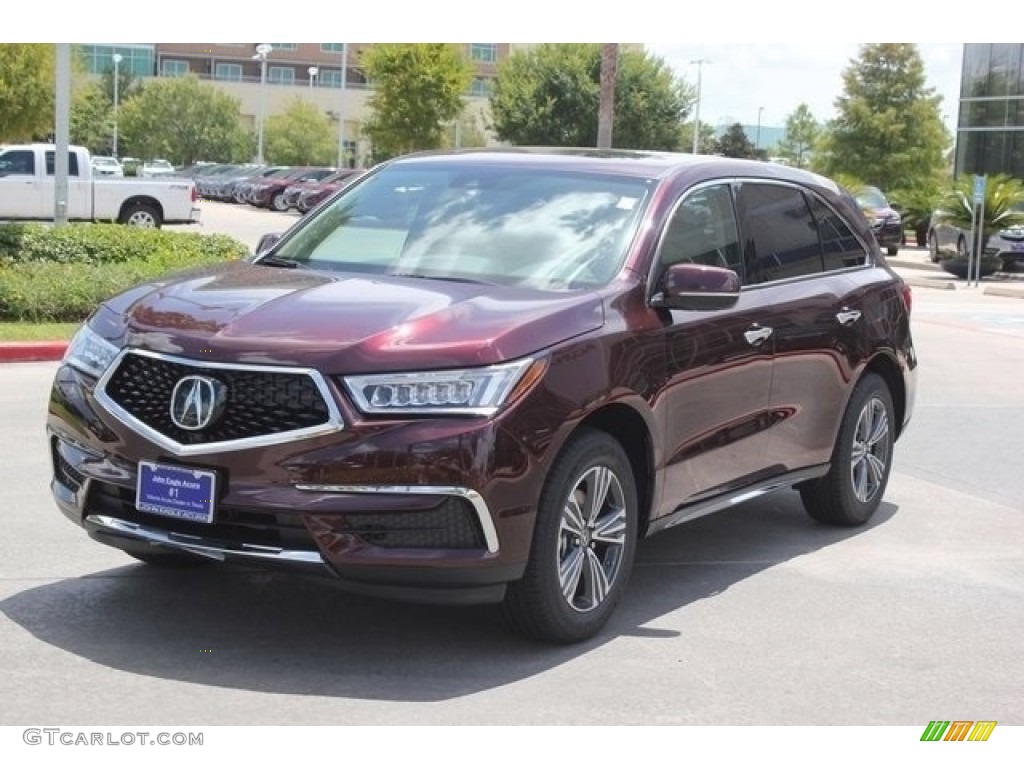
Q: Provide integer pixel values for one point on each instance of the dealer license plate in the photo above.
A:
(184, 493)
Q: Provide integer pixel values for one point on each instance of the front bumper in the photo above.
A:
(393, 511)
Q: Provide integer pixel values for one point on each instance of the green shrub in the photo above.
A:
(61, 274)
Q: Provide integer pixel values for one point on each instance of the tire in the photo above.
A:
(277, 203)
(142, 216)
(170, 560)
(961, 247)
(892, 251)
(579, 562)
(933, 248)
(852, 490)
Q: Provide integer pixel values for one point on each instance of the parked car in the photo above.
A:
(269, 193)
(314, 193)
(27, 191)
(886, 222)
(157, 167)
(103, 165)
(483, 376)
(1007, 244)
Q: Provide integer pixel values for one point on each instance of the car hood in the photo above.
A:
(343, 323)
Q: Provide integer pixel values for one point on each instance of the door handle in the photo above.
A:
(756, 335)
(848, 316)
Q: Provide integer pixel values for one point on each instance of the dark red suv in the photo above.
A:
(483, 376)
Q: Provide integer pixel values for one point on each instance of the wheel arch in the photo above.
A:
(632, 432)
(888, 369)
(146, 200)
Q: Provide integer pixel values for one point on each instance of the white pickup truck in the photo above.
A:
(26, 191)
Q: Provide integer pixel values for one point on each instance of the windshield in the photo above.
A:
(536, 227)
(870, 197)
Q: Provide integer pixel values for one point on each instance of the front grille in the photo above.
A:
(233, 525)
(451, 525)
(259, 402)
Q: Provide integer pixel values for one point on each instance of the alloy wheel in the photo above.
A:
(870, 455)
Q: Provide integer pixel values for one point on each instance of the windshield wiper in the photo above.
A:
(279, 261)
(448, 278)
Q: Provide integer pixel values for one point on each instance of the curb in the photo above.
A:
(926, 282)
(32, 351)
(998, 290)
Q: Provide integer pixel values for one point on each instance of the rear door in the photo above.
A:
(79, 188)
(800, 255)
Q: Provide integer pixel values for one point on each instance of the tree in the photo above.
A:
(707, 144)
(301, 135)
(27, 77)
(92, 119)
(550, 95)
(419, 91)
(888, 130)
(468, 133)
(735, 143)
(183, 120)
(802, 131)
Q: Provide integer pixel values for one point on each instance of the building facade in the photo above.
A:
(327, 74)
(990, 126)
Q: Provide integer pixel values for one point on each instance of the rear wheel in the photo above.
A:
(933, 248)
(277, 202)
(583, 543)
(141, 215)
(852, 490)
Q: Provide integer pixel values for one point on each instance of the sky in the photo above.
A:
(737, 79)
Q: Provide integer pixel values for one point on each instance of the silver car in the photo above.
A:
(1008, 243)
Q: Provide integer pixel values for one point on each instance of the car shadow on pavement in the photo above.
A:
(260, 631)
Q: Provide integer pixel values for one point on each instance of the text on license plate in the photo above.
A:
(184, 493)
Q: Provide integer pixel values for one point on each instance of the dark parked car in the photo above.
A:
(269, 193)
(309, 189)
(483, 376)
(886, 222)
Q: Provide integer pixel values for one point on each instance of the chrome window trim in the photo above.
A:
(334, 421)
(483, 514)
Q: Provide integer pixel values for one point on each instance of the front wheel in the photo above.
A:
(583, 543)
(852, 490)
(933, 248)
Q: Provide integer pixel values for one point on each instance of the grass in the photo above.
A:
(37, 331)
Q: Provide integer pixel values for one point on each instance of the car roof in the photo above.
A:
(627, 162)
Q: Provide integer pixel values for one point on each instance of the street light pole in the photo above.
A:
(313, 72)
(696, 115)
(341, 108)
(117, 82)
(757, 141)
(262, 51)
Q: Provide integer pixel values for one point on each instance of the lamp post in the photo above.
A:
(117, 82)
(341, 108)
(757, 140)
(313, 72)
(696, 115)
(262, 51)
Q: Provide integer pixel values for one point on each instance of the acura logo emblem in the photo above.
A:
(196, 402)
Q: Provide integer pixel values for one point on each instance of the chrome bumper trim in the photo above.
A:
(197, 545)
(483, 514)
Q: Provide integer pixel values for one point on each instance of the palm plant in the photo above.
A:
(917, 204)
(1003, 208)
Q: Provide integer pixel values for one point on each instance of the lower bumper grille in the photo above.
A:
(451, 525)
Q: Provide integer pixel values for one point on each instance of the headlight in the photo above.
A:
(90, 353)
(470, 391)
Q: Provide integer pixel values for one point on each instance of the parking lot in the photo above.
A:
(751, 616)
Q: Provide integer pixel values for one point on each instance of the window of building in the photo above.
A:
(226, 71)
(332, 47)
(330, 78)
(483, 51)
(780, 237)
(281, 75)
(284, 46)
(481, 86)
(139, 60)
(703, 231)
(173, 67)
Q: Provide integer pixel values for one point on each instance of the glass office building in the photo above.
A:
(990, 127)
(137, 58)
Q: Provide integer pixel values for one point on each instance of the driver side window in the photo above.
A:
(703, 230)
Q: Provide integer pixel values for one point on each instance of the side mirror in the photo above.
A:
(698, 287)
(267, 242)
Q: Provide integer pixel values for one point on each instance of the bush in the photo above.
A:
(61, 274)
